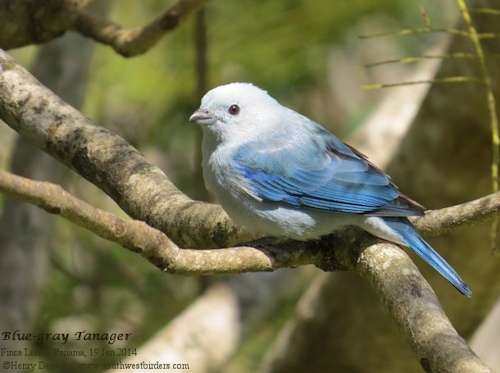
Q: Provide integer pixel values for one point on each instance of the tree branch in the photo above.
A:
(445, 220)
(142, 190)
(32, 22)
(151, 243)
(412, 303)
(268, 255)
(139, 40)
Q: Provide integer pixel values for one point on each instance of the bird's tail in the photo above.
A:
(426, 252)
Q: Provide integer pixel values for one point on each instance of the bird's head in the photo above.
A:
(235, 109)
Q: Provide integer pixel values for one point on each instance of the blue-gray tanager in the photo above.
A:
(276, 172)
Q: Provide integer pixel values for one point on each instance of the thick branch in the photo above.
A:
(413, 305)
(138, 40)
(32, 22)
(106, 160)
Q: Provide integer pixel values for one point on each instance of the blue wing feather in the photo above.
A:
(327, 175)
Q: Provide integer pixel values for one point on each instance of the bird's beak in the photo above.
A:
(203, 117)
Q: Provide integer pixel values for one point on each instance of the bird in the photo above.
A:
(280, 174)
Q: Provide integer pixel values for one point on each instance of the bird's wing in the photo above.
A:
(323, 173)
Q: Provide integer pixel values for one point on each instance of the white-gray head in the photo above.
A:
(235, 110)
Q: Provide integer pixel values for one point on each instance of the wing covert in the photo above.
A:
(330, 177)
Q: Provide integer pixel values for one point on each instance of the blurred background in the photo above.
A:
(307, 54)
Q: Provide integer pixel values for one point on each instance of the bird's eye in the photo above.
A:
(234, 110)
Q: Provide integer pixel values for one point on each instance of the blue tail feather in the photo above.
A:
(426, 252)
